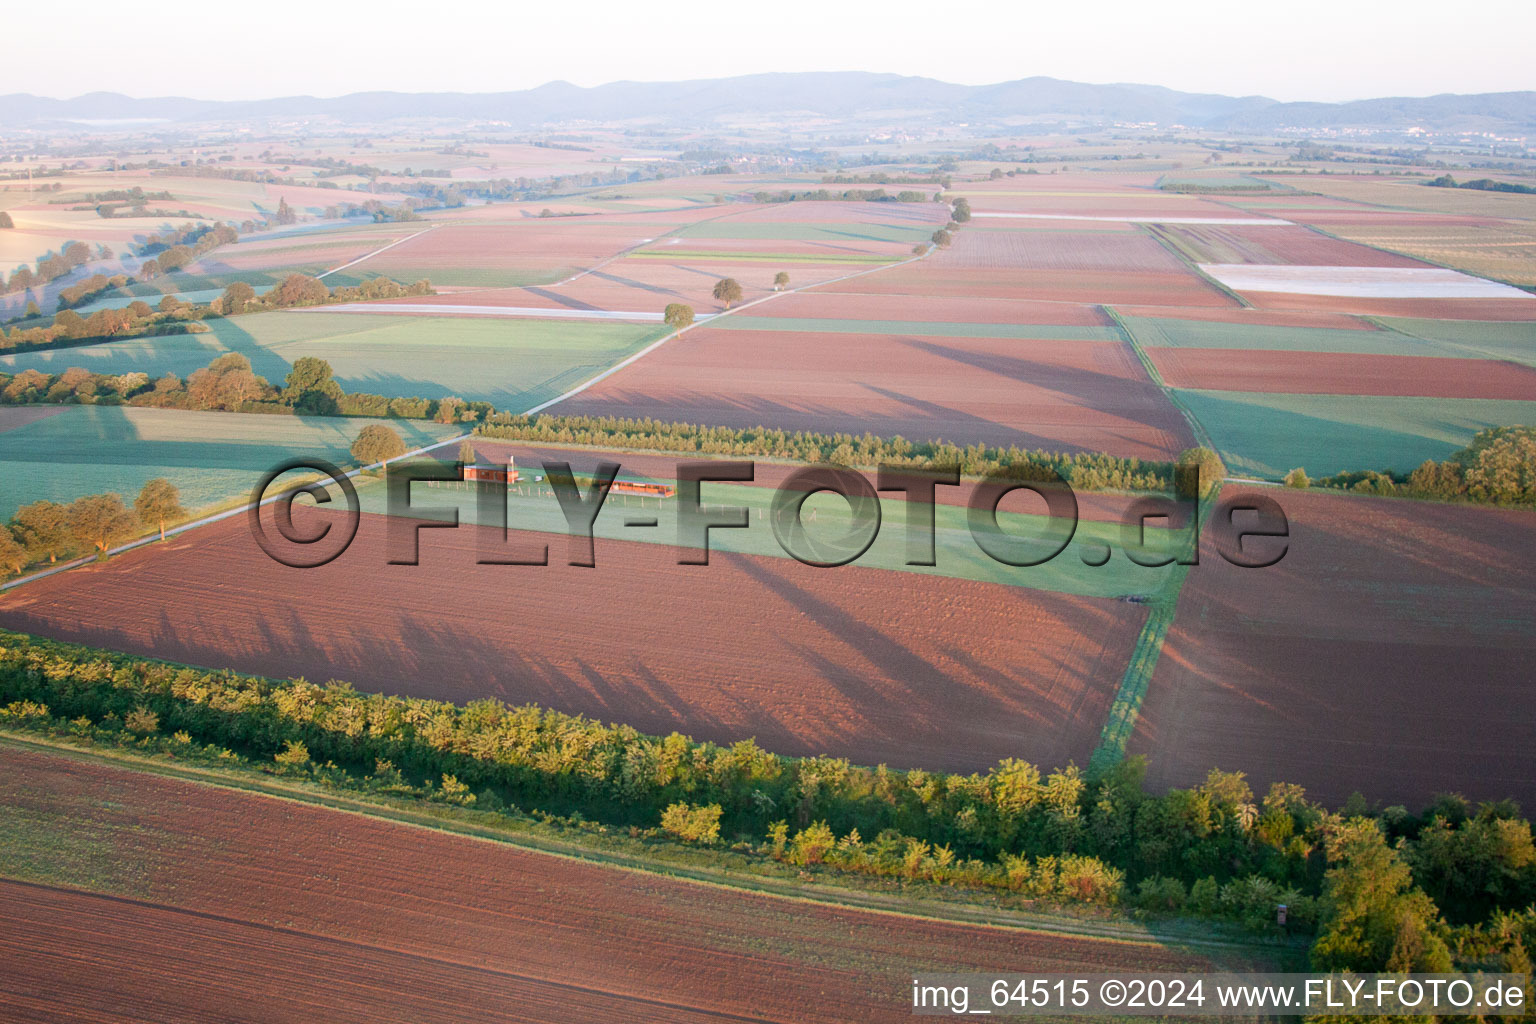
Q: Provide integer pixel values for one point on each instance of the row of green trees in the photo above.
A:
(174, 316)
(47, 531)
(50, 266)
(1382, 889)
(1086, 471)
(1498, 467)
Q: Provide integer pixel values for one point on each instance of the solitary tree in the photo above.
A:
(158, 503)
(1298, 478)
(1202, 465)
(728, 291)
(100, 521)
(679, 315)
(941, 238)
(466, 453)
(285, 214)
(377, 443)
(5, 220)
(780, 281)
(962, 210)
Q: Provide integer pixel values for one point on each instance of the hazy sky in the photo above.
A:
(1287, 49)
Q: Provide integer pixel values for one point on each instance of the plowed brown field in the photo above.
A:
(873, 665)
(1059, 395)
(1431, 309)
(253, 909)
(835, 305)
(1339, 373)
(1390, 652)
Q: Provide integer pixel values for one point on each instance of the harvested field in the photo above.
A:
(1274, 245)
(1059, 395)
(1504, 250)
(1337, 373)
(867, 664)
(309, 913)
(1266, 435)
(1389, 653)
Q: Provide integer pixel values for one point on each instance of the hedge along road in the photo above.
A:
(246, 507)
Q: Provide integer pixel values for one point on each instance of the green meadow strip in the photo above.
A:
(1126, 707)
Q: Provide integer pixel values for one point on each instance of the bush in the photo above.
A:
(377, 443)
(142, 721)
(1298, 478)
(692, 823)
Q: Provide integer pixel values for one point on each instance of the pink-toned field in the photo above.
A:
(1255, 317)
(1389, 652)
(1089, 396)
(1081, 267)
(831, 303)
(1432, 309)
(1338, 373)
(240, 907)
(1277, 245)
(873, 665)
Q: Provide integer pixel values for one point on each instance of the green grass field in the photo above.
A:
(533, 507)
(211, 457)
(515, 363)
(816, 325)
(1266, 435)
(1473, 338)
(1154, 332)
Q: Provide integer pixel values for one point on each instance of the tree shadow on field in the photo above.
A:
(564, 300)
(641, 285)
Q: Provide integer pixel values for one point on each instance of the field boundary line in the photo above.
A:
(371, 255)
(1125, 709)
(1114, 931)
(1195, 426)
(244, 506)
(1178, 253)
(653, 346)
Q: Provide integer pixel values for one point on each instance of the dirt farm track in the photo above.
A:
(877, 666)
(233, 907)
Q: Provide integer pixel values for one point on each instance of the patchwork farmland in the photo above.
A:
(757, 789)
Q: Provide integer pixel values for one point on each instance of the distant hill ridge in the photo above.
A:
(839, 95)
